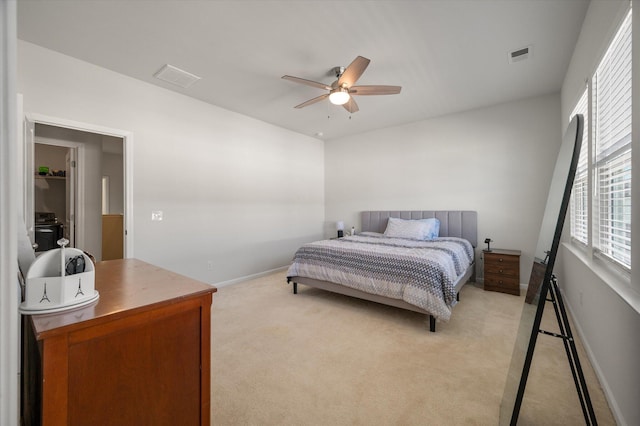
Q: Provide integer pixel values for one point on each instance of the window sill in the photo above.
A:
(618, 281)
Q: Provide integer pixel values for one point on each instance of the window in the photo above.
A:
(579, 204)
(606, 154)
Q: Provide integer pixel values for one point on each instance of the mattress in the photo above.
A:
(421, 273)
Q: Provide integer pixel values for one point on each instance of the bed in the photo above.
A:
(394, 271)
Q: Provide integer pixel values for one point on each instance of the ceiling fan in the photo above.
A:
(342, 90)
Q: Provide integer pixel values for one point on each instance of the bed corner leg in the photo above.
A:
(457, 296)
(295, 287)
(432, 323)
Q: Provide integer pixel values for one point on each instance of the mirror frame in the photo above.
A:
(539, 290)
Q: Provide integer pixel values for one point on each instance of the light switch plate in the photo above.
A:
(156, 215)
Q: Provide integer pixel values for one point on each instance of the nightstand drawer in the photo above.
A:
(501, 259)
(500, 281)
(508, 269)
(502, 284)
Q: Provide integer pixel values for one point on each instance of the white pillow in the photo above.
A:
(419, 229)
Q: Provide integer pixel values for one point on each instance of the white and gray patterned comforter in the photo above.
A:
(422, 273)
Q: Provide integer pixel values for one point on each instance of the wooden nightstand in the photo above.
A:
(502, 271)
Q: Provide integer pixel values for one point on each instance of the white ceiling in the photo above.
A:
(448, 55)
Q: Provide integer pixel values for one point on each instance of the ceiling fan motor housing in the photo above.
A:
(338, 71)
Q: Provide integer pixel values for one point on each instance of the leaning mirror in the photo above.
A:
(546, 251)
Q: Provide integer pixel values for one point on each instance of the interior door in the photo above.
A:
(29, 130)
(70, 195)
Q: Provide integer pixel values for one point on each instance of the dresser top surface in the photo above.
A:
(125, 286)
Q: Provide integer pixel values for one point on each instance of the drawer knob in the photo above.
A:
(500, 260)
(501, 271)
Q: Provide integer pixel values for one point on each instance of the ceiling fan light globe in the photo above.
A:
(339, 97)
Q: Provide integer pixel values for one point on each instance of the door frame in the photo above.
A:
(127, 154)
(71, 193)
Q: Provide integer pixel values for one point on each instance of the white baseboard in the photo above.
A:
(249, 277)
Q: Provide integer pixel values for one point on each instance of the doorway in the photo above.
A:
(55, 195)
(72, 166)
(64, 149)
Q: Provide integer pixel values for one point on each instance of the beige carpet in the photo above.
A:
(318, 358)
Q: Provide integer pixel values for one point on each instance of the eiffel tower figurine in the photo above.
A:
(44, 295)
(79, 288)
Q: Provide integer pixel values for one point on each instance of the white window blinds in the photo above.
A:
(611, 163)
(579, 204)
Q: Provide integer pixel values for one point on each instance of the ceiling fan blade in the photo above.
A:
(351, 106)
(307, 82)
(353, 72)
(375, 90)
(312, 101)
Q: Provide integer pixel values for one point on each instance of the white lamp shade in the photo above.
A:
(340, 226)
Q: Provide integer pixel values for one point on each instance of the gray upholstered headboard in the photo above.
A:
(453, 223)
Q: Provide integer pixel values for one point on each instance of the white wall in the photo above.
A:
(497, 161)
(605, 307)
(49, 155)
(112, 167)
(235, 192)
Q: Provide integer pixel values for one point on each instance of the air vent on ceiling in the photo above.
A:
(176, 76)
(519, 55)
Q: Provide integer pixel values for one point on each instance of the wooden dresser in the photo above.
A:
(139, 355)
(502, 271)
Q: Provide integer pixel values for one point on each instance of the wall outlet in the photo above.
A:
(210, 265)
(156, 215)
